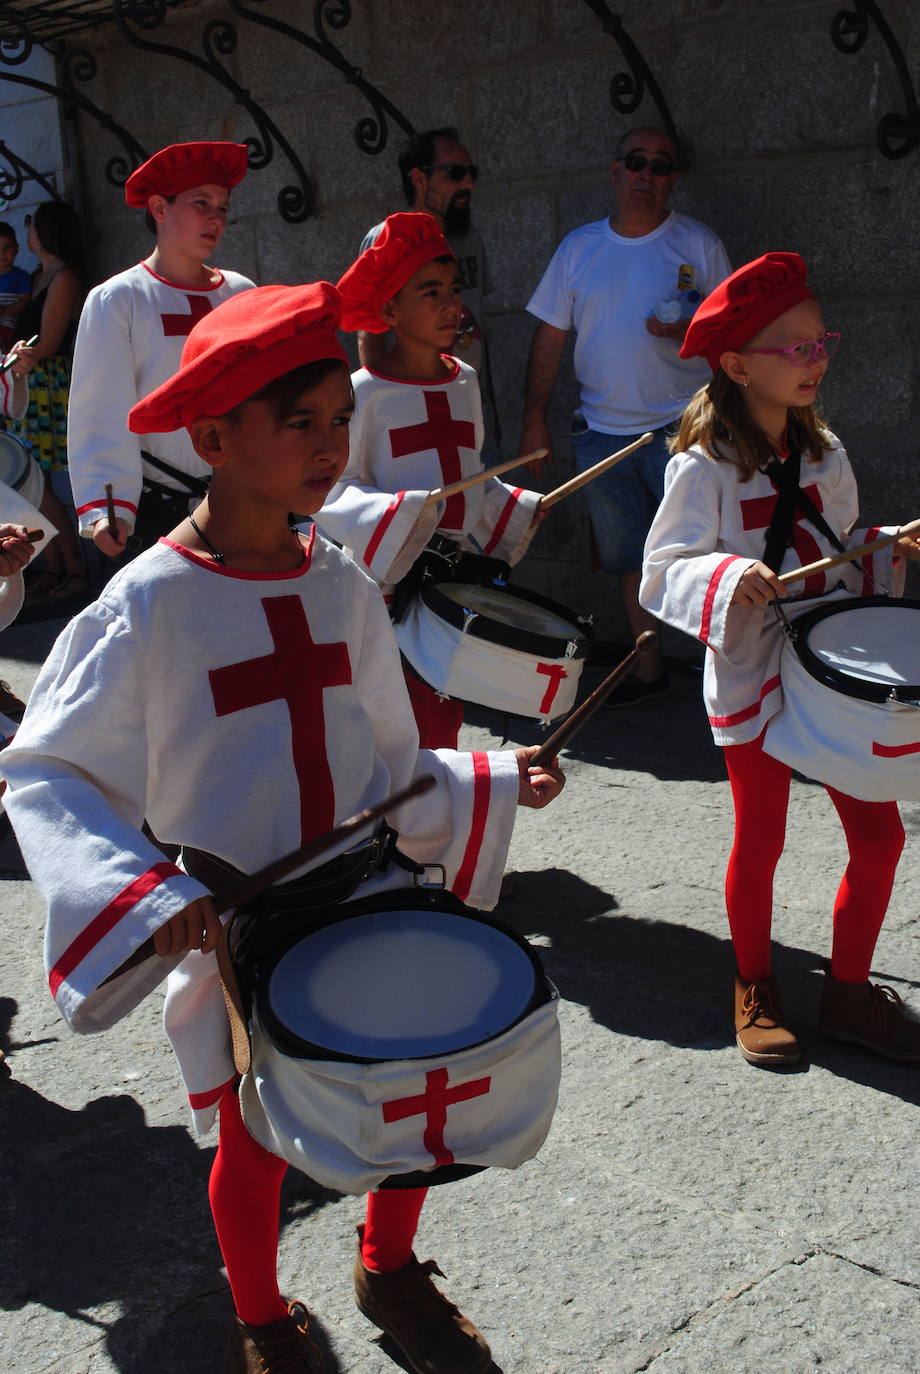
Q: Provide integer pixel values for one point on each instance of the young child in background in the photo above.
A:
(417, 427)
(707, 570)
(238, 654)
(15, 286)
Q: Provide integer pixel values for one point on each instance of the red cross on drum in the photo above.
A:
(404, 1033)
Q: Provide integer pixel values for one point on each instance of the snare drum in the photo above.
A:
(19, 470)
(400, 1033)
(512, 650)
(851, 698)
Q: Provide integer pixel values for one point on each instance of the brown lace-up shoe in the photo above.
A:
(281, 1347)
(872, 1015)
(432, 1333)
(759, 1031)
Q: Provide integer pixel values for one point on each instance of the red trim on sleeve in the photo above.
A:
(769, 686)
(502, 522)
(103, 505)
(197, 1101)
(107, 919)
(868, 587)
(894, 751)
(482, 788)
(706, 621)
(385, 521)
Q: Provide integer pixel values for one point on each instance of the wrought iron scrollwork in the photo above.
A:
(76, 65)
(372, 131)
(628, 89)
(219, 40)
(896, 134)
(17, 173)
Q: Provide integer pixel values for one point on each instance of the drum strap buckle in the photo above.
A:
(391, 853)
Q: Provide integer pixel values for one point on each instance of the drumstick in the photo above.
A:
(577, 718)
(849, 555)
(589, 474)
(246, 888)
(35, 536)
(14, 357)
(442, 493)
(112, 526)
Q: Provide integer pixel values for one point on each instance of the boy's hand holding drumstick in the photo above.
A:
(16, 547)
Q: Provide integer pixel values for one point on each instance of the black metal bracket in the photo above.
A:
(20, 171)
(75, 64)
(627, 89)
(896, 134)
(371, 132)
(219, 39)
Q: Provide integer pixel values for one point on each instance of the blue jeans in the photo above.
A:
(623, 501)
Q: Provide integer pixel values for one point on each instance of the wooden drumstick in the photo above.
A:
(35, 536)
(244, 889)
(112, 526)
(442, 493)
(577, 718)
(849, 555)
(589, 475)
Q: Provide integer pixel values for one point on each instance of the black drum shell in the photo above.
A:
(510, 636)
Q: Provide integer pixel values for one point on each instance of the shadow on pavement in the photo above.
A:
(100, 1210)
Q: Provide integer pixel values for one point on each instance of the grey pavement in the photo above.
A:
(688, 1213)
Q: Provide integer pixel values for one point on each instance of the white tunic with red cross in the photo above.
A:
(132, 331)
(240, 714)
(407, 439)
(708, 529)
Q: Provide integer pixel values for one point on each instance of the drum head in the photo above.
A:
(14, 459)
(509, 609)
(519, 619)
(401, 984)
(868, 647)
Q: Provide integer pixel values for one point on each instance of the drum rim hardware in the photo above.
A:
(509, 636)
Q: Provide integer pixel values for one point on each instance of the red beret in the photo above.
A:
(184, 165)
(746, 302)
(238, 348)
(405, 243)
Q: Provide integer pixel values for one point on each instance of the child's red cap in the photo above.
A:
(746, 302)
(238, 348)
(405, 243)
(184, 165)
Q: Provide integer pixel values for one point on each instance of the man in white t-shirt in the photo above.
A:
(628, 286)
(438, 177)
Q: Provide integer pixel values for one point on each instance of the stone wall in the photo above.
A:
(782, 124)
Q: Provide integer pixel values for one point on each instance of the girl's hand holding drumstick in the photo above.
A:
(16, 547)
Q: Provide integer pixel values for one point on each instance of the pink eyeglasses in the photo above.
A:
(805, 353)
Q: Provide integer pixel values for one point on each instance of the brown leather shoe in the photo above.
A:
(281, 1347)
(872, 1015)
(759, 1031)
(432, 1333)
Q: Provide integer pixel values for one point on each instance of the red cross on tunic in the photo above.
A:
(445, 434)
(180, 326)
(433, 1104)
(297, 672)
(756, 514)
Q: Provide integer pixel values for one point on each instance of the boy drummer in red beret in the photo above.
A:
(130, 340)
(417, 426)
(240, 659)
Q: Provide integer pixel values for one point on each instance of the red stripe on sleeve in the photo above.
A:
(107, 919)
(199, 1100)
(769, 686)
(894, 751)
(502, 523)
(868, 588)
(482, 788)
(706, 621)
(380, 531)
(103, 505)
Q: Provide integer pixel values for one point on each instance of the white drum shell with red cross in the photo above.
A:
(529, 665)
(868, 749)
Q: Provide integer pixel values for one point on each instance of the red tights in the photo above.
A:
(875, 838)
(245, 1196)
(438, 718)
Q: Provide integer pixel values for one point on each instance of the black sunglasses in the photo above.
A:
(637, 162)
(455, 170)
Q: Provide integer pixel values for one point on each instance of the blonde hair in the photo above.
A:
(718, 420)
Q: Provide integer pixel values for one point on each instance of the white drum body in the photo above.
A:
(405, 1034)
(851, 698)
(509, 649)
(19, 470)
